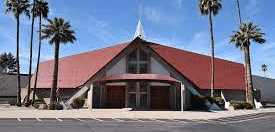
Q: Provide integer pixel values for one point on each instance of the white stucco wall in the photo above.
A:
(118, 68)
(157, 68)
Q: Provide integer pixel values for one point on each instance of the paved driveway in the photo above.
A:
(249, 123)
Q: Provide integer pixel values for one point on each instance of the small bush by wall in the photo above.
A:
(238, 105)
(78, 103)
(38, 103)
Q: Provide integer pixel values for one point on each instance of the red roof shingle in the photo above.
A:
(197, 68)
(76, 70)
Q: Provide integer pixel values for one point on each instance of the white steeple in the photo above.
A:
(139, 30)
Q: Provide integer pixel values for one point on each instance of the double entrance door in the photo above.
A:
(143, 96)
(138, 95)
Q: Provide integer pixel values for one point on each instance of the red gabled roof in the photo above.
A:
(75, 70)
(197, 68)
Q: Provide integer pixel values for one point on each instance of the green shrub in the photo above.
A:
(78, 103)
(38, 102)
(220, 102)
(248, 106)
(238, 105)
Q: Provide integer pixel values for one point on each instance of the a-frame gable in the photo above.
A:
(102, 72)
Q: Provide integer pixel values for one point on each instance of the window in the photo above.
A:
(133, 56)
(143, 87)
(143, 68)
(143, 56)
(132, 68)
(137, 63)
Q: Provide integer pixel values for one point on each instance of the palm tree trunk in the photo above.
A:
(245, 77)
(30, 62)
(55, 77)
(249, 94)
(239, 12)
(18, 62)
(38, 60)
(245, 64)
(212, 55)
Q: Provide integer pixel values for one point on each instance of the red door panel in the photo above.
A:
(115, 97)
(160, 97)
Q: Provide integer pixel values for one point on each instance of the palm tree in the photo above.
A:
(240, 22)
(30, 61)
(242, 39)
(57, 31)
(17, 8)
(210, 8)
(264, 69)
(41, 10)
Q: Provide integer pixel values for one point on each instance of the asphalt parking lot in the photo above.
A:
(263, 122)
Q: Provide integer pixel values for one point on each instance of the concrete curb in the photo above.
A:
(122, 113)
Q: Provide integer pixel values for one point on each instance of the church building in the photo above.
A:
(140, 74)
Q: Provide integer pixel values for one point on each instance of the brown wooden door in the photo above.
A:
(160, 97)
(115, 97)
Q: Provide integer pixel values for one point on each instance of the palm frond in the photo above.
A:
(210, 6)
(58, 31)
(247, 33)
(17, 7)
(41, 8)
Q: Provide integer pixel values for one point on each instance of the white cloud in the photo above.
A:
(100, 29)
(160, 15)
(152, 14)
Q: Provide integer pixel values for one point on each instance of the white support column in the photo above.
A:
(182, 94)
(90, 97)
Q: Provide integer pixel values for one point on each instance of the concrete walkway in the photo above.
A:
(15, 112)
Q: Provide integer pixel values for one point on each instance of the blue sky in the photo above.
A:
(178, 23)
